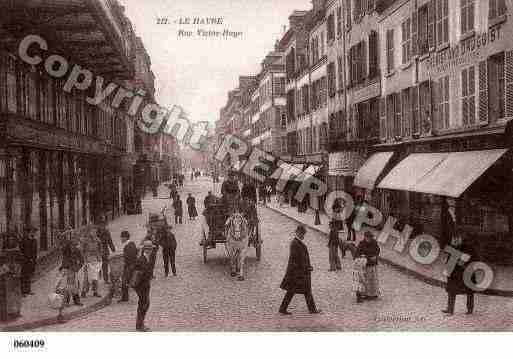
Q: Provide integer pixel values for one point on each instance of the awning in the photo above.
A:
(457, 172)
(411, 170)
(368, 174)
(444, 174)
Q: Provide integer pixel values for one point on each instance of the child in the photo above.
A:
(359, 264)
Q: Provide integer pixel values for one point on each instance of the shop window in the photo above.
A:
(467, 15)
(406, 40)
(496, 8)
(468, 96)
(390, 50)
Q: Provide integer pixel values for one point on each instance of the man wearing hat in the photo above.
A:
(106, 246)
(167, 241)
(28, 249)
(129, 260)
(142, 287)
(297, 278)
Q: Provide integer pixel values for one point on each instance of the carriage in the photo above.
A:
(214, 230)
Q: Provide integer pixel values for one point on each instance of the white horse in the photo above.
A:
(237, 238)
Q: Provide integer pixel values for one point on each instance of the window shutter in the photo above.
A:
(432, 23)
(464, 94)
(483, 92)
(382, 119)
(373, 54)
(436, 88)
(508, 80)
(492, 12)
(414, 33)
(398, 128)
(390, 116)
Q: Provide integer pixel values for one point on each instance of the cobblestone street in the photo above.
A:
(203, 297)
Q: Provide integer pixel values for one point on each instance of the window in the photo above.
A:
(442, 22)
(390, 115)
(467, 15)
(331, 27)
(398, 113)
(339, 21)
(331, 79)
(340, 74)
(406, 112)
(425, 107)
(406, 40)
(468, 96)
(443, 107)
(373, 54)
(496, 8)
(390, 50)
(423, 30)
(496, 87)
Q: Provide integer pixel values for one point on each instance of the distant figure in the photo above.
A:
(178, 206)
(191, 207)
(167, 241)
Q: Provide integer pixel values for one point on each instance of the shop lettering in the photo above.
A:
(463, 52)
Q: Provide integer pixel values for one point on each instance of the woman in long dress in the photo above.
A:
(369, 249)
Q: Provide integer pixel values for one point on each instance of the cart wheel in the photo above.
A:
(204, 252)
(258, 251)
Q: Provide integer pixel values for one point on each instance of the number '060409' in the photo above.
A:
(29, 344)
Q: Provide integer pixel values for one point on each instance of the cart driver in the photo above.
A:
(230, 191)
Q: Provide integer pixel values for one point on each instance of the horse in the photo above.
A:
(237, 238)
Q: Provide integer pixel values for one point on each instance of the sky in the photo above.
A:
(197, 72)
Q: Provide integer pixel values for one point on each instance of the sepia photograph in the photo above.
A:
(220, 167)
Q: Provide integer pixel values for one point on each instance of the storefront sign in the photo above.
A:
(344, 163)
(464, 52)
(55, 139)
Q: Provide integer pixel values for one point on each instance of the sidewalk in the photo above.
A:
(35, 311)
(432, 274)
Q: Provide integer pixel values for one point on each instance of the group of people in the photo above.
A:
(177, 204)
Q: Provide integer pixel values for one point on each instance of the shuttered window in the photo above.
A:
(406, 116)
(493, 82)
(373, 54)
(422, 30)
(415, 122)
(431, 24)
(442, 22)
(398, 112)
(468, 96)
(467, 15)
(406, 40)
(390, 50)
(372, 127)
(443, 103)
(382, 119)
(496, 8)
(390, 116)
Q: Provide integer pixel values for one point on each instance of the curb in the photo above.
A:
(424, 278)
(102, 303)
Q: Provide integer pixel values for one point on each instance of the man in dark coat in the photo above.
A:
(106, 246)
(455, 282)
(142, 287)
(28, 249)
(129, 260)
(209, 200)
(297, 278)
(249, 191)
(230, 191)
(178, 206)
(167, 241)
(191, 207)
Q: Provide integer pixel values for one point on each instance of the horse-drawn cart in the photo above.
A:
(221, 227)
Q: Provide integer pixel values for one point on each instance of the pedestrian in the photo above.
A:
(28, 250)
(209, 200)
(141, 282)
(72, 262)
(191, 207)
(167, 241)
(129, 260)
(359, 264)
(173, 191)
(106, 247)
(153, 237)
(455, 281)
(342, 226)
(91, 250)
(333, 244)
(178, 206)
(297, 278)
(192, 175)
(249, 191)
(369, 249)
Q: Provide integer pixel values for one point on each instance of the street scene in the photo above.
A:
(256, 166)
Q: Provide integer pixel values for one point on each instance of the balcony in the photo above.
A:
(92, 33)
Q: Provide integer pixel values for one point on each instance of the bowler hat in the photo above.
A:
(125, 234)
(301, 230)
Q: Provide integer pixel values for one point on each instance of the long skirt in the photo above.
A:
(192, 211)
(371, 281)
(71, 281)
(359, 275)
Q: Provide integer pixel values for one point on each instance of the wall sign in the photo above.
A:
(464, 52)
